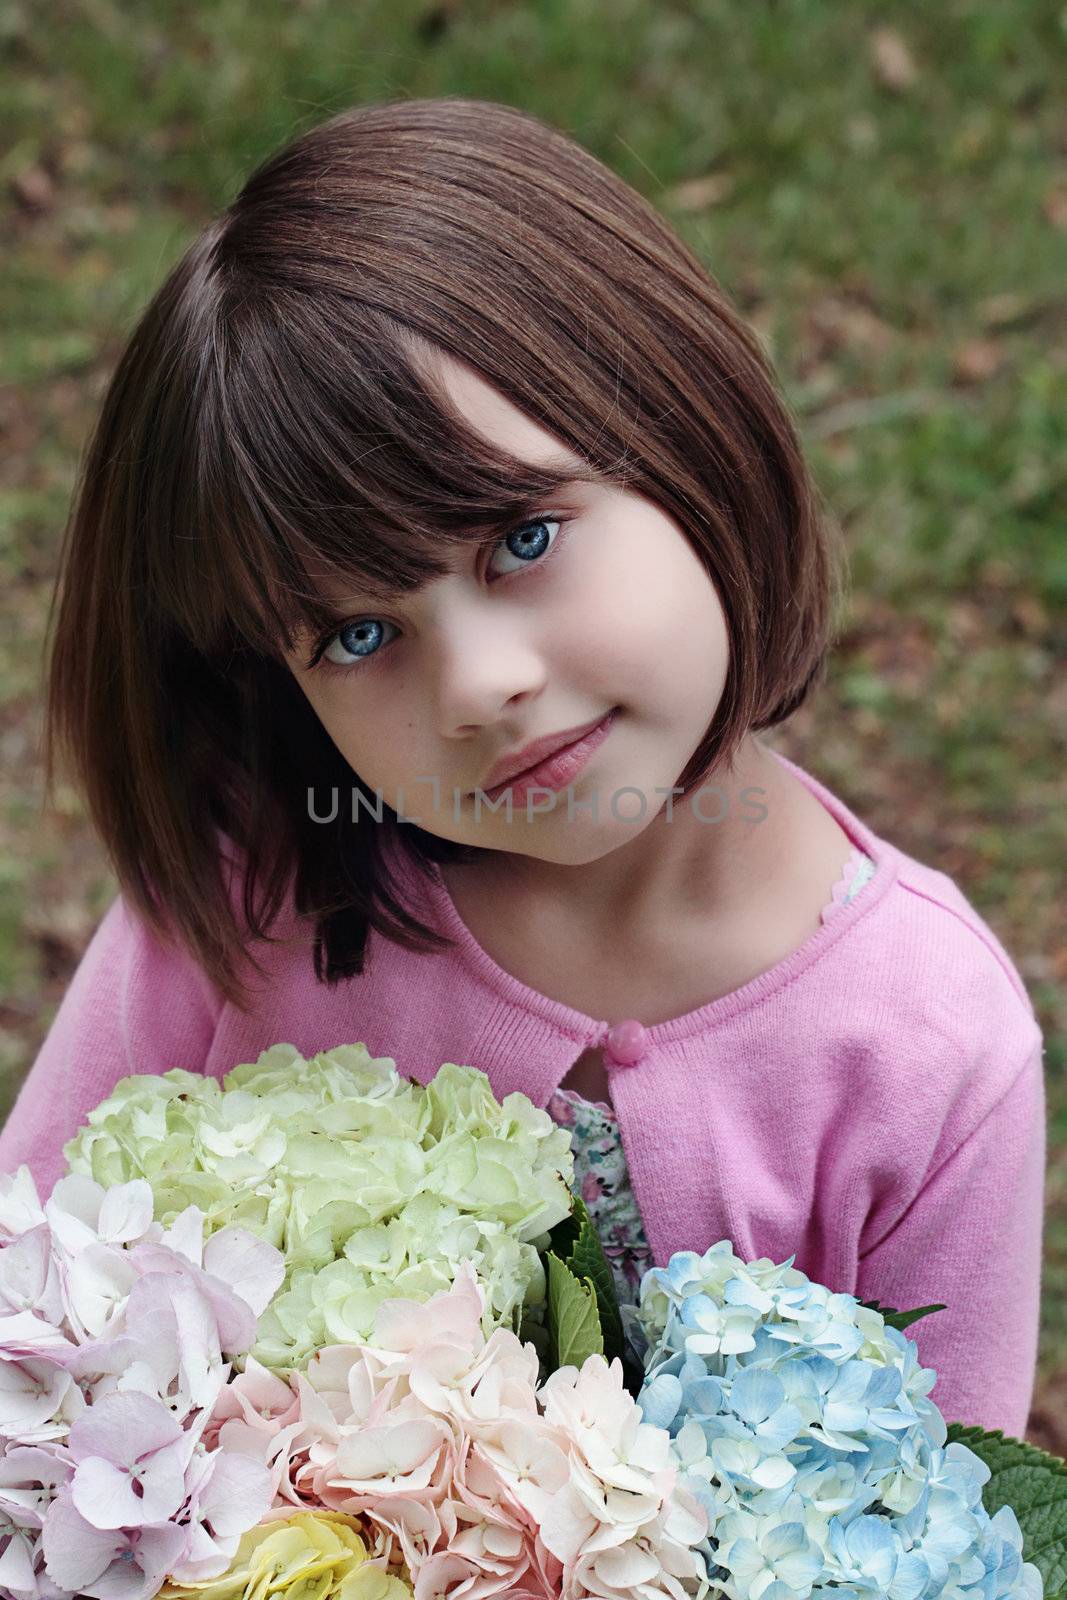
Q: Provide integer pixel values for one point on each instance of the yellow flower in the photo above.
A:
(312, 1555)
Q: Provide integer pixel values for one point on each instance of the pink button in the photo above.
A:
(626, 1043)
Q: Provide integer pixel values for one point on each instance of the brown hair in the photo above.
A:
(270, 423)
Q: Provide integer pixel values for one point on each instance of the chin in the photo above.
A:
(572, 844)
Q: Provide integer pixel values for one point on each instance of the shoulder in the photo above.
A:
(917, 935)
(940, 1001)
(144, 970)
(135, 1004)
(930, 1050)
(947, 958)
(145, 964)
(959, 936)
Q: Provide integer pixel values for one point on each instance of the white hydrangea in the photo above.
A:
(371, 1186)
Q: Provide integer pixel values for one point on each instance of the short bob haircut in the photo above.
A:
(269, 424)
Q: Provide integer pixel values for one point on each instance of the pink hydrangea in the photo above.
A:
(116, 1339)
(484, 1483)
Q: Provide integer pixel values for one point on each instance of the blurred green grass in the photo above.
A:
(883, 191)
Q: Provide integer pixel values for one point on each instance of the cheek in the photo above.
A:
(654, 617)
(702, 655)
(708, 632)
(677, 650)
(364, 744)
(387, 751)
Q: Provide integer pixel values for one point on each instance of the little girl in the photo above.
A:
(443, 547)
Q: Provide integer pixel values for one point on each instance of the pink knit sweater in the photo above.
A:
(872, 1105)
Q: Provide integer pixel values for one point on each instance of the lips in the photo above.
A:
(531, 755)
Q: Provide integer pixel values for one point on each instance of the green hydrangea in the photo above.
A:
(371, 1186)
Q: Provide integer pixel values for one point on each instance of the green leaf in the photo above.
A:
(573, 1322)
(587, 1260)
(1034, 1484)
(577, 1244)
(564, 1236)
(900, 1319)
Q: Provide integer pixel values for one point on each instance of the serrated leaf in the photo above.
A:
(1034, 1484)
(580, 1217)
(564, 1236)
(573, 1316)
(900, 1319)
(587, 1260)
(576, 1242)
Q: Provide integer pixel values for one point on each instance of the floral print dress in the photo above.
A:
(601, 1176)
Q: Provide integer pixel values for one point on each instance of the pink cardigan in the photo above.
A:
(873, 1105)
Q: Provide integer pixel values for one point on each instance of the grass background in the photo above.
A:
(881, 189)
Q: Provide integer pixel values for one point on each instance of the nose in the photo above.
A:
(481, 666)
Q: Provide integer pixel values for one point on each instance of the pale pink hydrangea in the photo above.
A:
(258, 1414)
(483, 1483)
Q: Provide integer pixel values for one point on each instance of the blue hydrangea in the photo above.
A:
(802, 1423)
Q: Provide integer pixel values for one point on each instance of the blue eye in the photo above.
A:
(361, 640)
(529, 543)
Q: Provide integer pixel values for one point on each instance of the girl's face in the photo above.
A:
(599, 603)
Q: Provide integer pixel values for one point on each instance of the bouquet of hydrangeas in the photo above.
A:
(321, 1333)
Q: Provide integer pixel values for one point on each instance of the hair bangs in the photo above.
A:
(340, 468)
